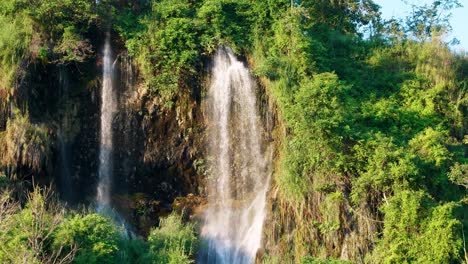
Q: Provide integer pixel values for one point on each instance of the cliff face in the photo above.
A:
(159, 151)
(159, 146)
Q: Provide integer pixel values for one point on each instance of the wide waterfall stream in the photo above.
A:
(239, 165)
(108, 109)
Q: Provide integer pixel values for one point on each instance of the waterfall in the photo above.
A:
(108, 109)
(65, 181)
(239, 167)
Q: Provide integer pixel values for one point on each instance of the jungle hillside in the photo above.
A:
(231, 131)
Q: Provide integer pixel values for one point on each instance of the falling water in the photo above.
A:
(65, 181)
(108, 109)
(239, 167)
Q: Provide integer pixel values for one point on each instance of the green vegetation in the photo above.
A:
(15, 36)
(43, 231)
(170, 40)
(389, 119)
(47, 30)
(372, 160)
(173, 242)
(24, 146)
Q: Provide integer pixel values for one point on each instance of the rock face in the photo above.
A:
(64, 98)
(158, 147)
(159, 152)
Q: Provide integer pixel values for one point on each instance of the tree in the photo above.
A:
(427, 20)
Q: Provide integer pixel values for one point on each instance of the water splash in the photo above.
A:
(240, 170)
(108, 109)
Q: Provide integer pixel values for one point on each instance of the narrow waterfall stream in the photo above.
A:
(239, 165)
(108, 109)
(65, 175)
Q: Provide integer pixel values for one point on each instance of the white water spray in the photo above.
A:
(108, 109)
(240, 172)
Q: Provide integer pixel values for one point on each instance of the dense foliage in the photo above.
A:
(372, 123)
(48, 30)
(43, 231)
(374, 126)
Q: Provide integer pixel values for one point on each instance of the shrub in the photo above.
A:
(173, 242)
(96, 237)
